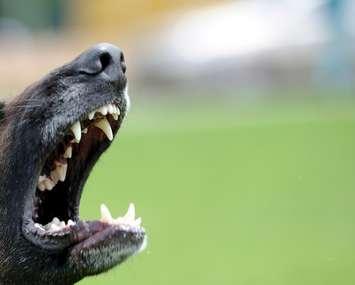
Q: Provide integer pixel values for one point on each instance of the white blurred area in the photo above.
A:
(256, 43)
(245, 28)
(206, 45)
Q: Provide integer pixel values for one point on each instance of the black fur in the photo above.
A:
(2, 105)
(29, 128)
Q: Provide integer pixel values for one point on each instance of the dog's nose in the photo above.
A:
(102, 58)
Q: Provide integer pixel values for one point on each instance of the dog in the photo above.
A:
(51, 136)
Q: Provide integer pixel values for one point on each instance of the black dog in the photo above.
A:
(50, 138)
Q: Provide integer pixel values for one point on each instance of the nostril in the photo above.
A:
(102, 58)
(105, 60)
(123, 63)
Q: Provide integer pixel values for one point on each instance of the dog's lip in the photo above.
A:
(85, 235)
(92, 234)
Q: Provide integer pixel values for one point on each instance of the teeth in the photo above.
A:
(42, 178)
(55, 176)
(39, 226)
(56, 221)
(45, 183)
(116, 113)
(131, 213)
(68, 152)
(40, 184)
(41, 187)
(104, 125)
(70, 223)
(54, 228)
(55, 225)
(110, 109)
(105, 214)
(59, 173)
(62, 171)
(49, 184)
(76, 129)
(117, 110)
(103, 110)
(128, 220)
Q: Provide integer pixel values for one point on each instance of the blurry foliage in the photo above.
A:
(233, 194)
(35, 14)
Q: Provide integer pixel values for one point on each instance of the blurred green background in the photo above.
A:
(264, 195)
(239, 149)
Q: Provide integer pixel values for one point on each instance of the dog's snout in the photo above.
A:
(103, 58)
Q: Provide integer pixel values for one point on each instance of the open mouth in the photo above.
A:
(52, 216)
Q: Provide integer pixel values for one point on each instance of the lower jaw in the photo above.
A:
(124, 232)
(98, 248)
(87, 236)
(105, 250)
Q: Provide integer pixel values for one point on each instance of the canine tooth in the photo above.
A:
(68, 152)
(105, 126)
(115, 116)
(103, 110)
(91, 115)
(76, 129)
(85, 131)
(105, 214)
(110, 109)
(118, 112)
(131, 213)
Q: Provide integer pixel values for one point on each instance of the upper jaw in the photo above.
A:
(106, 120)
